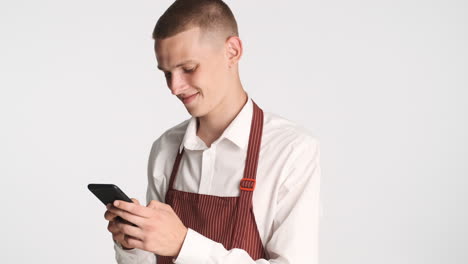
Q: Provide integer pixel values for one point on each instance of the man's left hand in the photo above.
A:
(158, 228)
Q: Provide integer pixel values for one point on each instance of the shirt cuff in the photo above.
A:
(195, 249)
(133, 255)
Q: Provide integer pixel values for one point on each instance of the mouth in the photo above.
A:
(189, 98)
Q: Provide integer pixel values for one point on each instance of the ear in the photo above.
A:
(233, 50)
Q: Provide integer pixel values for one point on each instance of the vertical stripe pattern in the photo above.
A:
(245, 232)
(227, 220)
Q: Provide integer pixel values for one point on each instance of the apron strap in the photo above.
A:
(247, 184)
(175, 169)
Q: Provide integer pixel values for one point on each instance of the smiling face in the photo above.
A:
(196, 69)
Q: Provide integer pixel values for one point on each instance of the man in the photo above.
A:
(232, 184)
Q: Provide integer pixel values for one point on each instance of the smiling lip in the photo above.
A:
(189, 99)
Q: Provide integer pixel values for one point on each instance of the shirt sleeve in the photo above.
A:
(133, 256)
(296, 225)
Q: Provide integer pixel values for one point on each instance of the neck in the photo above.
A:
(212, 126)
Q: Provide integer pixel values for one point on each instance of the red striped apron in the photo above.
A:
(212, 216)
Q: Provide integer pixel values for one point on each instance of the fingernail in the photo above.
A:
(116, 203)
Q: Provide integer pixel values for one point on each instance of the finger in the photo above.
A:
(111, 227)
(155, 204)
(135, 219)
(133, 208)
(130, 230)
(108, 215)
(135, 201)
(123, 239)
(131, 242)
(119, 237)
(160, 206)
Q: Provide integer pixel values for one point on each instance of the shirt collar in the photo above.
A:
(237, 132)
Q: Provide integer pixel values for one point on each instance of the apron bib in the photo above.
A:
(226, 220)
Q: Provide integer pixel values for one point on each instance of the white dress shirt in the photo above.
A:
(286, 201)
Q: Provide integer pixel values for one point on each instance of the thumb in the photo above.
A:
(135, 201)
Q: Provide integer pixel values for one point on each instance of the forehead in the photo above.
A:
(183, 46)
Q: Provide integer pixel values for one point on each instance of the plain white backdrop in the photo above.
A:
(382, 85)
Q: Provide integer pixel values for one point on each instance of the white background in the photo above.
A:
(382, 85)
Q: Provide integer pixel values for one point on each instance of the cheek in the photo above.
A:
(196, 78)
(202, 79)
(217, 77)
(211, 80)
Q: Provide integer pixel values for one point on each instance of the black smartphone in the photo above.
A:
(108, 193)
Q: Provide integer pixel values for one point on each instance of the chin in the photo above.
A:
(196, 112)
(193, 112)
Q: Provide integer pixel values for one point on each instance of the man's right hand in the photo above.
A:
(113, 221)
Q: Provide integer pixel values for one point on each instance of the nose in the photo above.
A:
(176, 83)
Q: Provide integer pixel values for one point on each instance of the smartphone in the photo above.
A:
(108, 193)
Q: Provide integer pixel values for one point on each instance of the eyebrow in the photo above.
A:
(180, 64)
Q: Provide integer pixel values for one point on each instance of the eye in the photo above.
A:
(189, 70)
(167, 74)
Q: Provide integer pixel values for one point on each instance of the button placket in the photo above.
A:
(208, 160)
